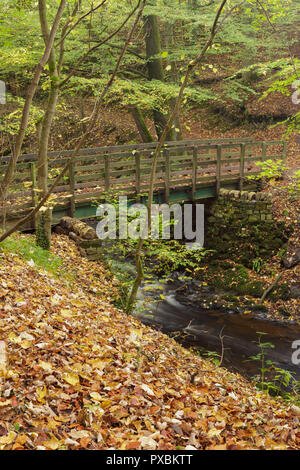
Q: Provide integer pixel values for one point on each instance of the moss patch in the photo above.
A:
(26, 248)
(245, 243)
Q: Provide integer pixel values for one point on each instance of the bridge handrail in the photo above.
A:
(129, 169)
(115, 148)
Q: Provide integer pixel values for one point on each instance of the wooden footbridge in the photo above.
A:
(189, 170)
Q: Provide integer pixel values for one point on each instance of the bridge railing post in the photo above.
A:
(138, 175)
(218, 169)
(72, 188)
(194, 173)
(242, 166)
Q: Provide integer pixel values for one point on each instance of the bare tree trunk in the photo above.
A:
(170, 45)
(141, 125)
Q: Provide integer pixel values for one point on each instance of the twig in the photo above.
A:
(92, 10)
(269, 289)
(92, 49)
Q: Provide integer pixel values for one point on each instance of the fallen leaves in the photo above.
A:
(70, 378)
(72, 382)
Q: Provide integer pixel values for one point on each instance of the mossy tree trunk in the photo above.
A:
(170, 44)
(43, 217)
(155, 69)
(141, 124)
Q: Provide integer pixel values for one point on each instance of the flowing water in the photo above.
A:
(165, 306)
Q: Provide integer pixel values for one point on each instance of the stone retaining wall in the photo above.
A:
(91, 249)
(242, 205)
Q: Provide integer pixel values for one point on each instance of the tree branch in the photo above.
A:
(94, 117)
(30, 94)
(92, 10)
(92, 49)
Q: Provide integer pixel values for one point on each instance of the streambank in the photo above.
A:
(175, 307)
(197, 313)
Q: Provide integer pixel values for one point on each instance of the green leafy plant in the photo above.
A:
(272, 379)
(37, 257)
(273, 170)
(257, 264)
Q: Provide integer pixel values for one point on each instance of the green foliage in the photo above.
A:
(233, 277)
(270, 169)
(146, 95)
(211, 356)
(184, 27)
(257, 264)
(39, 258)
(273, 170)
(237, 91)
(271, 378)
(284, 79)
(287, 73)
(10, 122)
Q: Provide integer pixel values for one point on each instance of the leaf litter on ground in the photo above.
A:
(77, 373)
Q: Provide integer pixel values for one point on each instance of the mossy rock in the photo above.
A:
(259, 308)
(230, 298)
(260, 240)
(253, 288)
(280, 292)
(235, 278)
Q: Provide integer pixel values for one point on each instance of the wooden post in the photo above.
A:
(194, 173)
(167, 175)
(34, 187)
(242, 165)
(138, 175)
(106, 173)
(72, 188)
(284, 152)
(250, 149)
(33, 179)
(264, 152)
(218, 169)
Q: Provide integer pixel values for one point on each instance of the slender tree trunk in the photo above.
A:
(44, 218)
(26, 109)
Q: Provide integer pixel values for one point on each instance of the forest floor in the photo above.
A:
(78, 373)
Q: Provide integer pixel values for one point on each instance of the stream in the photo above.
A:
(165, 306)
